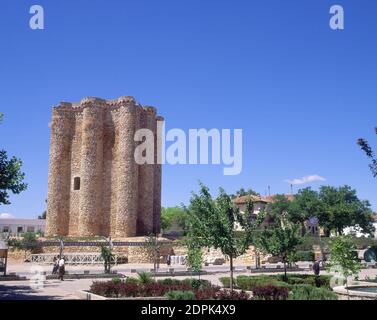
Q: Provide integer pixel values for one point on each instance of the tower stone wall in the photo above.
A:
(95, 186)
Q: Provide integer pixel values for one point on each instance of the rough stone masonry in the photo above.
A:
(95, 187)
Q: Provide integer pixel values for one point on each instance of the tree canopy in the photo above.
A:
(335, 208)
(279, 240)
(213, 223)
(173, 215)
(242, 192)
(11, 177)
(341, 208)
(364, 145)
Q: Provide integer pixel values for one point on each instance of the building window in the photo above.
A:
(20, 229)
(6, 229)
(76, 183)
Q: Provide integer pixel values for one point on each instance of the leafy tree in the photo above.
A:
(212, 223)
(173, 215)
(305, 205)
(153, 244)
(43, 215)
(342, 208)
(343, 258)
(28, 242)
(10, 175)
(370, 154)
(278, 209)
(242, 192)
(279, 240)
(106, 255)
(195, 258)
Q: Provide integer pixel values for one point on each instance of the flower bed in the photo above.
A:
(295, 287)
(171, 288)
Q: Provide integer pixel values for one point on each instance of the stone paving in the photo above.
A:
(67, 289)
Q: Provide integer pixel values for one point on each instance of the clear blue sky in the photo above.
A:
(302, 93)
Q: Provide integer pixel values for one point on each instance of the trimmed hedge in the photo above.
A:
(308, 292)
(247, 283)
(304, 256)
(180, 295)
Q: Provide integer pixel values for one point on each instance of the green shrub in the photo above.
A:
(180, 295)
(116, 280)
(308, 292)
(225, 281)
(304, 256)
(131, 280)
(145, 278)
(169, 281)
(296, 279)
(199, 283)
(250, 282)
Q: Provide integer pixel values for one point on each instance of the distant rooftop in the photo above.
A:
(22, 221)
(267, 199)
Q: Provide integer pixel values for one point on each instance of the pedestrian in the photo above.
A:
(61, 268)
(317, 270)
(56, 265)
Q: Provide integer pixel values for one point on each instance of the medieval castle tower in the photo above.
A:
(95, 186)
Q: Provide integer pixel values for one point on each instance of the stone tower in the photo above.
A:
(95, 186)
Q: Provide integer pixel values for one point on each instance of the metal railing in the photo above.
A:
(73, 258)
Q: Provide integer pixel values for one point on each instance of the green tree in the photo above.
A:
(279, 240)
(11, 177)
(280, 207)
(154, 246)
(305, 205)
(212, 223)
(195, 258)
(364, 145)
(43, 215)
(341, 208)
(173, 215)
(28, 242)
(106, 255)
(343, 258)
(242, 192)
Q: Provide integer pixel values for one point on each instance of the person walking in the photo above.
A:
(56, 265)
(61, 268)
(317, 270)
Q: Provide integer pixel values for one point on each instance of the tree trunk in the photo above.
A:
(231, 272)
(303, 229)
(285, 270)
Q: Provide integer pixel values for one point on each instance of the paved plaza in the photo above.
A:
(67, 289)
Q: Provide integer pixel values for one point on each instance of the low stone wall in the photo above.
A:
(19, 255)
(353, 294)
(131, 254)
(137, 253)
(210, 253)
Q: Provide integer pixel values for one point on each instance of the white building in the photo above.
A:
(357, 232)
(15, 227)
